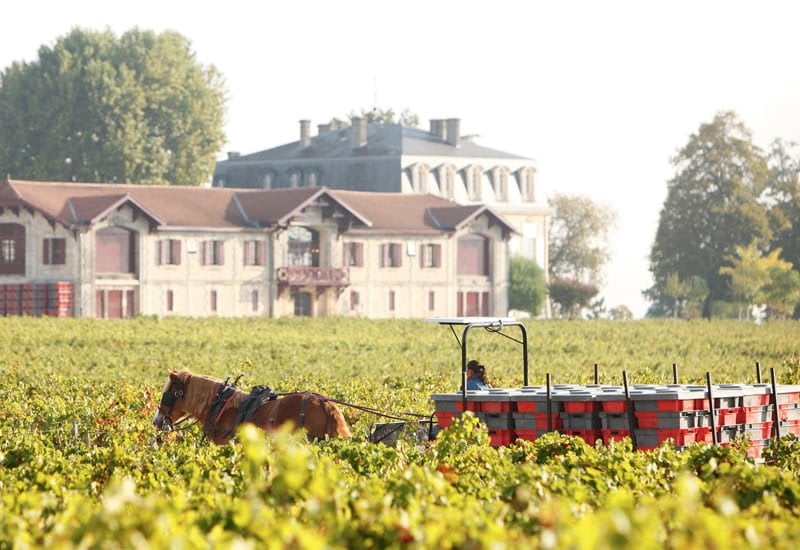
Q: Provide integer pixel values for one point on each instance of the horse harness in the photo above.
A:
(258, 396)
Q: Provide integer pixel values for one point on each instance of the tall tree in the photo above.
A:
(782, 197)
(526, 290)
(751, 272)
(711, 207)
(378, 115)
(579, 238)
(96, 107)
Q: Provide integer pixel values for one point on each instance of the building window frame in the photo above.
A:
(392, 255)
(54, 251)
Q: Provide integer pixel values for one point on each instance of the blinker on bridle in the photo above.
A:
(168, 399)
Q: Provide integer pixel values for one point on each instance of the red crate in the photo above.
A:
(444, 419)
(727, 417)
(653, 438)
(589, 436)
(495, 406)
(614, 435)
(579, 406)
(754, 415)
(792, 397)
(674, 405)
(613, 406)
(528, 435)
(758, 432)
(501, 437)
(790, 427)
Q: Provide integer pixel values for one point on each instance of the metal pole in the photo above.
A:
(758, 372)
(629, 408)
(776, 425)
(674, 373)
(596, 375)
(711, 409)
(549, 406)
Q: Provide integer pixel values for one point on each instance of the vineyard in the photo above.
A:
(79, 466)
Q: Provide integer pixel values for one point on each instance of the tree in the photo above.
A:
(579, 238)
(377, 115)
(571, 296)
(757, 278)
(782, 293)
(711, 207)
(526, 290)
(95, 107)
(782, 198)
(684, 295)
(620, 313)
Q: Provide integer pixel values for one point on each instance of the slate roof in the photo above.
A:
(80, 205)
(382, 140)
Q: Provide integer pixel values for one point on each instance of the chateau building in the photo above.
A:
(109, 251)
(393, 158)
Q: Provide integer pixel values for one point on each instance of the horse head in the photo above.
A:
(173, 399)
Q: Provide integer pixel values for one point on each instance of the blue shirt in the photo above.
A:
(475, 383)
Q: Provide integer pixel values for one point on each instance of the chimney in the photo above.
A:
(438, 128)
(453, 131)
(323, 128)
(358, 132)
(233, 155)
(305, 133)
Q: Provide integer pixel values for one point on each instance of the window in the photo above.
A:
(213, 252)
(446, 180)
(254, 299)
(213, 300)
(391, 255)
(430, 255)
(525, 183)
(500, 182)
(254, 253)
(302, 304)
(169, 252)
(431, 300)
(115, 250)
(303, 246)
(54, 251)
(353, 254)
(12, 249)
(170, 301)
(354, 300)
(473, 176)
(472, 303)
(473, 255)
(391, 300)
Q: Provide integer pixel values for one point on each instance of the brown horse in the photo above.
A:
(186, 394)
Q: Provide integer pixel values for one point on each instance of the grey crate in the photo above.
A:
(580, 421)
(672, 420)
(497, 421)
(614, 421)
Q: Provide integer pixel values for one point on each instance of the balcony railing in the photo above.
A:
(300, 275)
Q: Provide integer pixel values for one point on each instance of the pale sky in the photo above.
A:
(600, 94)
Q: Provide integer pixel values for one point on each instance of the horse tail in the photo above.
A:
(338, 427)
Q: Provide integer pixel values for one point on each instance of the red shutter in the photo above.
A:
(46, 251)
(485, 304)
(206, 254)
(437, 255)
(262, 253)
(346, 254)
(176, 252)
(248, 260)
(459, 304)
(384, 255)
(397, 256)
(423, 255)
(220, 245)
(359, 254)
(160, 252)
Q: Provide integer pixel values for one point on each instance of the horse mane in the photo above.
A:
(204, 390)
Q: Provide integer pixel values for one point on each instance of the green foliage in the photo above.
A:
(526, 290)
(378, 115)
(571, 296)
(578, 245)
(78, 467)
(100, 108)
(711, 207)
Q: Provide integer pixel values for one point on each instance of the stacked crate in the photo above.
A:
(11, 299)
(59, 299)
(658, 413)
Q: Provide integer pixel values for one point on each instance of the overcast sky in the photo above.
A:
(599, 94)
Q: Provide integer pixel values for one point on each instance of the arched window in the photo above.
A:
(473, 255)
(447, 177)
(312, 177)
(295, 178)
(303, 246)
(499, 176)
(268, 179)
(473, 176)
(115, 250)
(525, 183)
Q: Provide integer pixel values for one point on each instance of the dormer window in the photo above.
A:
(525, 182)
(500, 183)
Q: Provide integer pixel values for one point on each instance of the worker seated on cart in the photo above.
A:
(476, 376)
